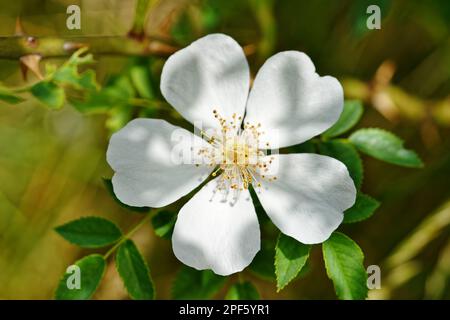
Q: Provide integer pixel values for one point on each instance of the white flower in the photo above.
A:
(305, 195)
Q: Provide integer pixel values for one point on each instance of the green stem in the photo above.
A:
(22, 89)
(54, 47)
(129, 234)
(157, 104)
(146, 103)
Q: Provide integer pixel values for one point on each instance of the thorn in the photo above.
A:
(160, 48)
(72, 46)
(19, 31)
(31, 62)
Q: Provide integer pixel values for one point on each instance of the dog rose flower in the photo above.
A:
(208, 83)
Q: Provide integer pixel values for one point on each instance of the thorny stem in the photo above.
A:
(129, 234)
(53, 47)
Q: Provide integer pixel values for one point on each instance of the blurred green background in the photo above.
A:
(52, 162)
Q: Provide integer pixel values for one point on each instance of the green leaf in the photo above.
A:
(134, 272)
(262, 264)
(193, 284)
(91, 270)
(141, 78)
(363, 208)
(109, 187)
(242, 291)
(163, 223)
(120, 87)
(90, 232)
(344, 264)
(290, 258)
(88, 80)
(210, 18)
(117, 93)
(95, 102)
(79, 57)
(305, 270)
(118, 117)
(182, 32)
(347, 154)
(7, 96)
(384, 146)
(68, 75)
(352, 112)
(49, 94)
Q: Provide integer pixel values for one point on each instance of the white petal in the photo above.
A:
(210, 233)
(291, 101)
(146, 156)
(309, 196)
(211, 73)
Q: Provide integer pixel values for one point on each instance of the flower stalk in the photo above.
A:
(129, 234)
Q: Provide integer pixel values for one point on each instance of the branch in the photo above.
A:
(54, 47)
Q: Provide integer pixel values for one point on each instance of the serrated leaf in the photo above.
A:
(344, 265)
(68, 75)
(117, 93)
(163, 223)
(134, 272)
(385, 146)
(242, 291)
(262, 264)
(88, 80)
(49, 94)
(194, 284)
(305, 270)
(363, 209)
(91, 270)
(65, 75)
(95, 102)
(347, 154)
(109, 187)
(7, 96)
(290, 258)
(352, 112)
(79, 57)
(90, 232)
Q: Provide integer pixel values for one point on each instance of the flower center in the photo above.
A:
(236, 154)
